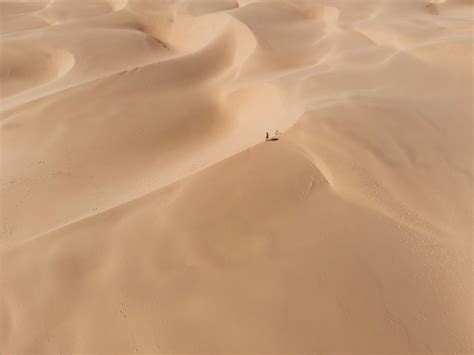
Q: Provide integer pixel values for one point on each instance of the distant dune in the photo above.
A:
(142, 209)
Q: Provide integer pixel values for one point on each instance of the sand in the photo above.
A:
(143, 211)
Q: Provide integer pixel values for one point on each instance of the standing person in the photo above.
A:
(267, 136)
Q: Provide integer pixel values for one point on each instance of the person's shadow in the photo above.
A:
(272, 139)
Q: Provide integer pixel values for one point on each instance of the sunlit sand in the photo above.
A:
(144, 209)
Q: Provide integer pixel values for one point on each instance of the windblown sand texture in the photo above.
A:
(142, 211)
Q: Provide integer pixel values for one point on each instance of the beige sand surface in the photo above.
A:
(142, 211)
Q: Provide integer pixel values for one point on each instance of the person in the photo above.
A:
(267, 136)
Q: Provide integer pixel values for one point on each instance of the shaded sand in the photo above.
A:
(142, 211)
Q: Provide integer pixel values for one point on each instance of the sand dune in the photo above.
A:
(142, 210)
(19, 74)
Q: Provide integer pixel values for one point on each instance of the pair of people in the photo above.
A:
(267, 137)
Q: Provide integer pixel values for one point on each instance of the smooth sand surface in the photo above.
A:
(142, 210)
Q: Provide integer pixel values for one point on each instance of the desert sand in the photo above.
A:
(142, 210)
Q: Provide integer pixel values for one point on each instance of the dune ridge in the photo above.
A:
(139, 196)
